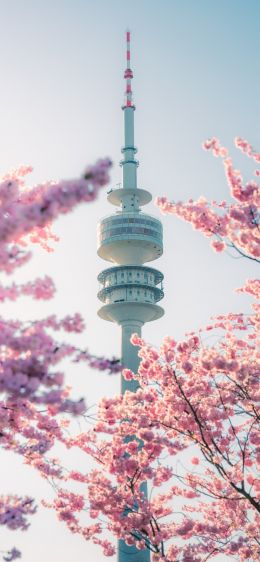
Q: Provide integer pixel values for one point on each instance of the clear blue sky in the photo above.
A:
(196, 74)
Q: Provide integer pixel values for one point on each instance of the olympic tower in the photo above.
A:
(129, 238)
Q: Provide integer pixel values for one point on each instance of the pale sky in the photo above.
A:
(196, 75)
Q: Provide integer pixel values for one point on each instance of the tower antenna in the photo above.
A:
(128, 75)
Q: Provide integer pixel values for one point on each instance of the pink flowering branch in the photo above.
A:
(27, 349)
(40, 205)
(28, 354)
(247, 149)
(37, 289)
(234, 225)
(26, 214)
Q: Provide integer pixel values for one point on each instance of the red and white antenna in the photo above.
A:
(128, 75)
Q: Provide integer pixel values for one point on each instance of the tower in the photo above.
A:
(128, 239)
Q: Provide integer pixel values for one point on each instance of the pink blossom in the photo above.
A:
(127, 374)
(187, 366)
(218, 246)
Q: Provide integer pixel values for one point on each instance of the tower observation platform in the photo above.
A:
(129, 290)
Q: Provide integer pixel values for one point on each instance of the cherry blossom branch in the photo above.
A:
(236, 225)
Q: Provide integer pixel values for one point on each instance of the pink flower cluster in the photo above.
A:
(247, 149)
(13, 513)
(252, 287)
(29, 350)
(12, 554)
(14, 510)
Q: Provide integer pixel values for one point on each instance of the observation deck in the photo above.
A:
(130, 291)
(130, 238)
(130, 283)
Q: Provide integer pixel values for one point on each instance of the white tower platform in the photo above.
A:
(130, 291)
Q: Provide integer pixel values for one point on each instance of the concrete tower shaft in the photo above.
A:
(129, 163)
(130, 290)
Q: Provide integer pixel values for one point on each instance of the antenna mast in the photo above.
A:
(128, 75)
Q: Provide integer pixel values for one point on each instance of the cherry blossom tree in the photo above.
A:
(191, 430)
(32, 390)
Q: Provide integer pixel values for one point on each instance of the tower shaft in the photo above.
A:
(129, 163)
(129, 355)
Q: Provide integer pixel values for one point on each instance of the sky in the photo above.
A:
(196, 75)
